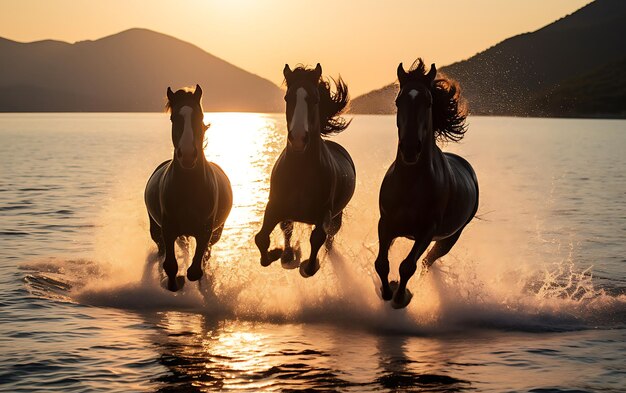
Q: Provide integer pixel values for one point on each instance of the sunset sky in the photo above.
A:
(362, 39)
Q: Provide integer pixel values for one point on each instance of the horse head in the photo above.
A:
(414, 117)
(303, 101)
(188, 127)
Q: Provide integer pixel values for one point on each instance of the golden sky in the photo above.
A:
(362, 39)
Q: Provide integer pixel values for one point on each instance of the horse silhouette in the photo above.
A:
(426, 195)
(313, 179)
(187, 195)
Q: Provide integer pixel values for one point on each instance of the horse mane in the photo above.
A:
(332, 104)
(449, 108)
(183, 94)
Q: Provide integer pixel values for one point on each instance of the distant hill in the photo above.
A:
(599, 93)
(559, 70)
(129, 72)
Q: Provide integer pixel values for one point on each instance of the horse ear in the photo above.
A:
(170, 94)
(432, 73)
(197, 93)
(318, 71)
(401, 74)
(287, 72)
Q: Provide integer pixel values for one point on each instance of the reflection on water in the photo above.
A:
(514, 307)
(205, 355)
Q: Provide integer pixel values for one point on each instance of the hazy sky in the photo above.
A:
(362, 39)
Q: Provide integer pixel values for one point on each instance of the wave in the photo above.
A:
(449, 298)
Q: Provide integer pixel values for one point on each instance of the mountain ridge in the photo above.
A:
(127, 71)
(508, 78)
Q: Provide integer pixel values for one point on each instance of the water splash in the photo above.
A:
(519, 281)
(471, 288)
(451, 297)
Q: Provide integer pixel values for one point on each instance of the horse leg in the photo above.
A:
(288, 255)
(156, 235)
(169, 264)
(312, 265)
(402, 296)
(441, 248)
(382, 260)
(334, 227)
(194, 273)
(262, 239)
(217, 234)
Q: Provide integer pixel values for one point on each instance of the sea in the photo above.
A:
(531, 299)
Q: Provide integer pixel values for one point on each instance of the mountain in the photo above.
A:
(599, 93)
(128, 72)
(540, 73)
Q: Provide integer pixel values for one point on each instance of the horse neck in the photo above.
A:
(189, 175)
(315, 143)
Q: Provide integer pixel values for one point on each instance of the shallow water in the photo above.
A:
(532, 297)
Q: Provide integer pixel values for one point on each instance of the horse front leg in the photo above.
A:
(194, 273)
(402, 296)
(335, 226)
(382, 260)
(440, 249)
(262, 239)
(309, 267)
(290, 258)
(170, 265)
(157, 236)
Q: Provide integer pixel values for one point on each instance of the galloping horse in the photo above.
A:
(187, 195)
(313, 179)
(426, 195)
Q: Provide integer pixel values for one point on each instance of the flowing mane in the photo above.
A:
(449, 108)
(332, 105)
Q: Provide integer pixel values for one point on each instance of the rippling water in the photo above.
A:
(532, 298)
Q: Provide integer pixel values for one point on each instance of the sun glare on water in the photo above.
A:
(245, 146)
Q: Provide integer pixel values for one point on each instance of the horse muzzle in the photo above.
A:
(298, 144)
(187, 159)
(409, 156)
(411, 160)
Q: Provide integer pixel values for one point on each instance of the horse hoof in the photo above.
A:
(273, 255)
(173, 285)
(288, 255)
(386, 295)
(270, 257)
(194, 274)
(290, 258)
(406, 299)
(308, 268)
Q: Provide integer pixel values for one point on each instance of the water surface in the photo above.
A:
(532, 297)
